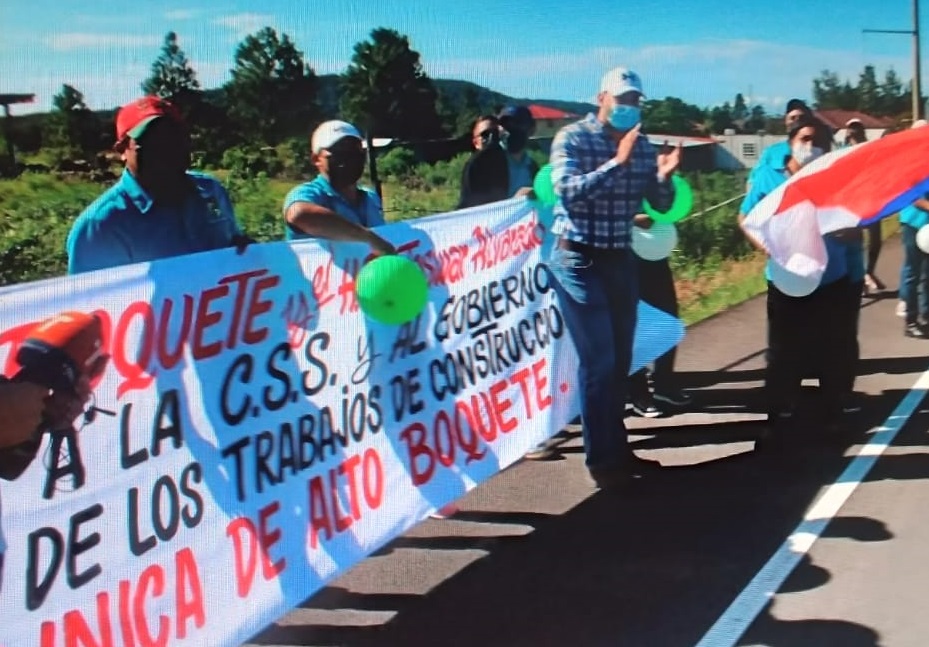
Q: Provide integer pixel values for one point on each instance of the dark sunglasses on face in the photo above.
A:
(489, 136)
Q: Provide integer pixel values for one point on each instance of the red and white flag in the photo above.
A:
(849, 187)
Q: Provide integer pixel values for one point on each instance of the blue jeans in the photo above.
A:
(901, 291)
(598, 294)
(914, 286)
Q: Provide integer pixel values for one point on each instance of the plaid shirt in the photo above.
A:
(598, 198)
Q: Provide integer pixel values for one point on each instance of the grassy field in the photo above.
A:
(714, 266)
(734, 282)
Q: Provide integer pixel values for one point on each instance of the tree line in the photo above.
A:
(275, 98)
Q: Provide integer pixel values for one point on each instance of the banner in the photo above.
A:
(265, 436)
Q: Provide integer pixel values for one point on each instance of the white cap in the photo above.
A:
(621, 80)
(329, 132)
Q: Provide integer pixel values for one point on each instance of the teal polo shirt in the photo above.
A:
(368, 212)
(125, 226)
(520, 173)
(774, 155)
(914, 216)
(838, 253)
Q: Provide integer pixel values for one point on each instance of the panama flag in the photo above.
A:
(849, 187)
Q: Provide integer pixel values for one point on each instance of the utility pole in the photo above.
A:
(917, 95)
(916, 92)
(6, 100)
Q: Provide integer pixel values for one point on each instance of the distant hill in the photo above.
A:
(456, 97)
(454, 92)
(457, 91)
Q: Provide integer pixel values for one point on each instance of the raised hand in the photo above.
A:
(669, 159)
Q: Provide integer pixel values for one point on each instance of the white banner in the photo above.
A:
(267, 436)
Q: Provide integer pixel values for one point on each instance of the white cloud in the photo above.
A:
(182, 14)
(79, 40)
(245, 23)
(108, 19)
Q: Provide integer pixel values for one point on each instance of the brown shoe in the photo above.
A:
(542, 452)
(631, 469)
(610, 478)
(636, 465)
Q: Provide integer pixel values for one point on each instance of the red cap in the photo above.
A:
(133, 118)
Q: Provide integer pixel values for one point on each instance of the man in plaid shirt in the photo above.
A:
(602, 168)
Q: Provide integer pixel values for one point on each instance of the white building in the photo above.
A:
(737, 152)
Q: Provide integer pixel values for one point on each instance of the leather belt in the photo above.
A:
(583, 248)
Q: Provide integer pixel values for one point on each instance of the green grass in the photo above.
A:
(36, 212)
(714, 267)
(734, 282)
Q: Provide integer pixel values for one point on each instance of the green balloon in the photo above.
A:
(682, 205)
(543, 187)
(392, 289)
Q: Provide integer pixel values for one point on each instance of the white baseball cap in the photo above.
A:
(329, 132)
(621, 80)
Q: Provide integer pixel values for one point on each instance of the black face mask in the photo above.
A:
(346, 168)
(516, 140)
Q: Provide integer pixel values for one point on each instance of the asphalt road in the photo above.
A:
(537, 557)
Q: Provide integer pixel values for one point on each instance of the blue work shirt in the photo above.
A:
(368, 212)
(767, 180)
(125, 226)
(854, 260)
(519, 172)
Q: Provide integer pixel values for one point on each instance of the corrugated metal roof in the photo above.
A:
(9, 99)
(544, 112)
(839, 118)
(657, 139)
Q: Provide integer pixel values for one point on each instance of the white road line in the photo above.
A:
(735, 620)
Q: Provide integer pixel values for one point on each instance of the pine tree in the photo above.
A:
(172, 74)
(386, 92)
(273, 90)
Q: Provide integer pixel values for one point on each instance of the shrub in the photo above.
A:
(249, 161)
(37, 209)
(396, 163)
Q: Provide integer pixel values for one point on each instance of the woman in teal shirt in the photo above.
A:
(816, 327)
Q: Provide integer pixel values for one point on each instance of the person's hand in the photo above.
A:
(626, 144)
(848, 235)
(643, 221)
(525, 191)
(62, 407)
(241, 243)
(380, 247)
(21, 408)
(669, 159)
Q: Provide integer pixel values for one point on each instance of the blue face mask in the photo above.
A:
(625, 117)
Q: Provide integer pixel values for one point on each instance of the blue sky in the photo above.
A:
(703, 51)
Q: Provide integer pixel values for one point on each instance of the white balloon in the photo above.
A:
(655, 243)
(792, 284)
(922, 238)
